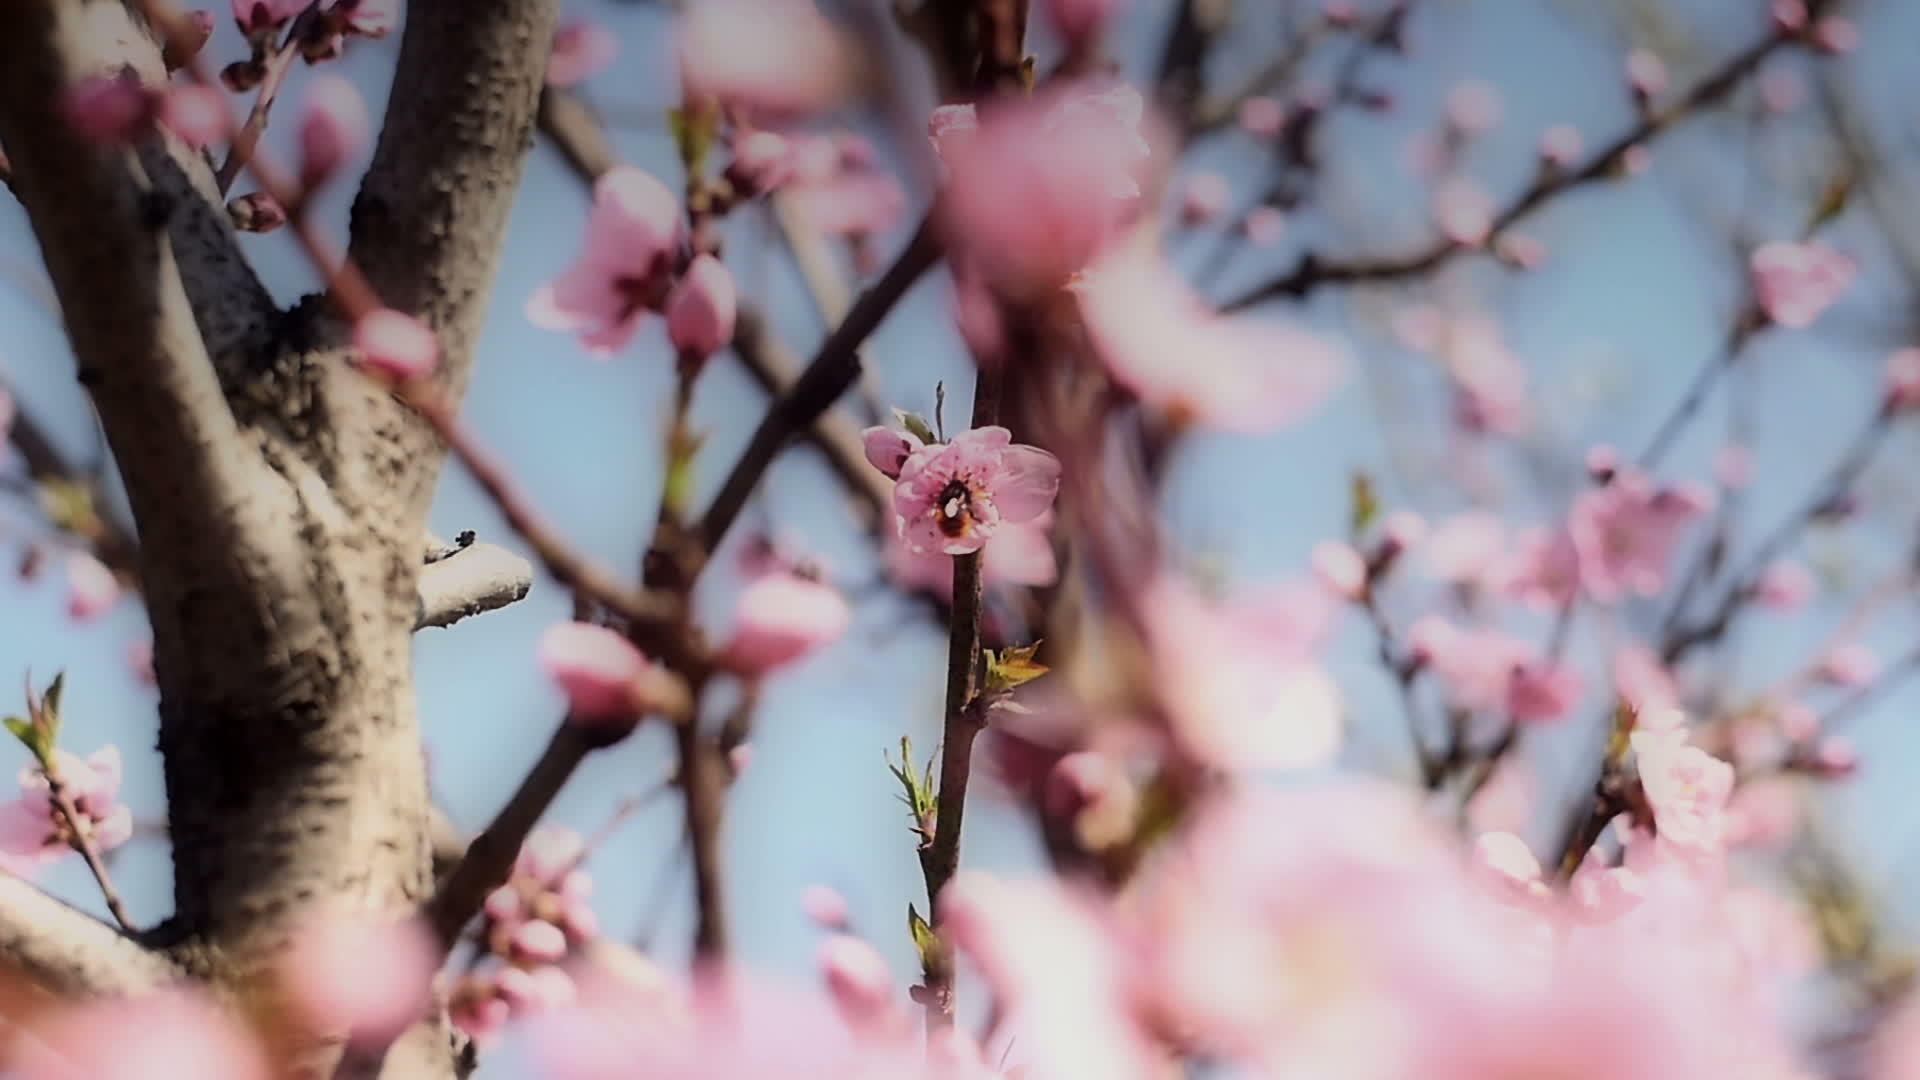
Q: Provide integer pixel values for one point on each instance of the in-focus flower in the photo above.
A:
(773, 58)
(595, 666)
(952, 497)
(395, 344)
(1796, 283)
(34, 833)
(633, 237)
(582, 49)
(334, 125)
(781, 617)
(1249, 374)
(1626, 531)
(701, 308)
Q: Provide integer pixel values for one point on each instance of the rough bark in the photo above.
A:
(279, 496)
(65, 952)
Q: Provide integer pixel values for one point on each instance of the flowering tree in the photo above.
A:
(1296, 824)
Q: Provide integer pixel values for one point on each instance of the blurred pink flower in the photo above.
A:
(633, 236)
(1763, 813)
(953, 497)
(781, 617)
(1079, 23)
(1464, 211)
(198, 114)
(368, 18)
(1490, 379)
(325, 974)
(1245, 373)
(1484, 669)
(1626, 531)
(1903, 379)
(774, 58)
(1643, 682)
(110, 109)
(1796, 283)
(1546, 568)
(857, 979)
(32, 831)
(1561, 146)
(1636, 159)
(92, 589)
(1785, 585)
(701, 308)
(1204, 198)
(1849, 664)
(1733, 466)
(1782, 90)
(1523, 251)
(334, 125)
(1468, 549)
(1340, 568)
(395, 344)
(825, 907)
(1836, 34)
(257, 15)
(1021, 554)
(1265, 226)
(1262, 116)
(582, 49)
(762, 162)
(1240, 681)
(1646, 73)
(595, 666)
(1473, 107)
(171, 1035)
(1042, 187)
(1790, 15)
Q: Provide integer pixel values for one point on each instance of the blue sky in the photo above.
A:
(1642, 278)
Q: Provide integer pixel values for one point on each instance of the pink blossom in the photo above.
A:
(1464, 211)
(395, 344)
(536, 941)
(1836, 758)
(171, 1034)
(1733, 466)
(953, 497)
(1522, 251)
(1646, 73)
(1507, 861)
(1079, 22)
(949, 127)
(781, 617)
(1903, 379)
(1490, 379)
(1507, 800)
(1626, 533)
(595, 666)
(701, 308)
(1265, 226)
(1782, 90)
(1688, 789)
(1468, 549)
(762, 162)
(888, 449)
(1790, 15)
(256, 16)
(1836, 34)
(325, 973)
(367, 18)
(1561, 146)
(1763, 813)
(1473, 107)
(1042, 187)
(824, 907)
(1796, 283)
(1546, 568)
(198, 114)
(1205, 198)
(92, 589)
(1636, 159)
(1485, 669)
(1340, 568)
(1021, 554)
(1240, 681)
(775, 58)
(1247, 374)
(582, 49)
(858, 981)
(110, 109)
(853, 205)
(333, 127)
(633, 235)
(1643, 682)
(1849, 664)
(1023, 936)
(33, 833)
(1262, 116)
(1784, 586)
(1340, 12)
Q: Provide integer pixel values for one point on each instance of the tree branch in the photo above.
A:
(1313, 272)
(68, 953)
(473, 580)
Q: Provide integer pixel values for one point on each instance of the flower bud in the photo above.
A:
(256, 212)
(333, 128)
(701, 309)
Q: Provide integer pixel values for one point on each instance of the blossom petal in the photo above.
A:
(1029, 480)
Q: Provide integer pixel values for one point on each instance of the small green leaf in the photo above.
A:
(50, 709)
(916, 426)
(21, 730)
(926, 942)
(1833, 201)
(1012, 666)
(1363, 505)
(694, 132)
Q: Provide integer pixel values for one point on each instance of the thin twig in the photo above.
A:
(82, 842)
(248, 138)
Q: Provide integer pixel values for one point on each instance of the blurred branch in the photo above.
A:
(1314, 271)
(66, 952)
(472, 580)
